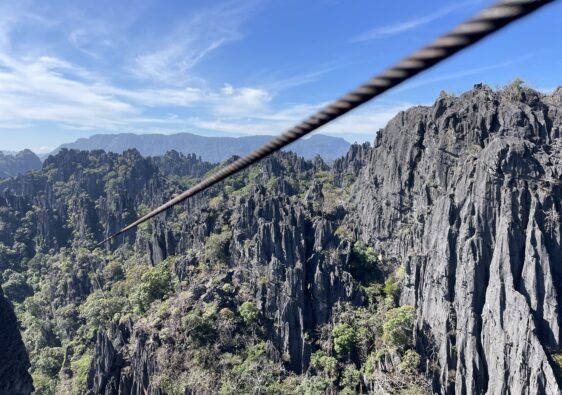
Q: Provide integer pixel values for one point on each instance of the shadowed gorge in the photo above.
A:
(14, 362)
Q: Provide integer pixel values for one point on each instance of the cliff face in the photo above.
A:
(281, 253)
(14, 362)
(466, 195)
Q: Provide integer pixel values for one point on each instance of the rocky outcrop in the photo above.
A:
(347, 168)
(280, 252)
(94, 193)
(466, 195)
(109, 370)
(14, 362)
(18, 163)
(177, 164)
(297, 269)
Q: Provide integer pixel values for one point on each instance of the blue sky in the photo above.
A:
(238, 67)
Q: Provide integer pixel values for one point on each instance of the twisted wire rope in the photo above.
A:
(464, 35)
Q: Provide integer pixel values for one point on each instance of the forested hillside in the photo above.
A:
(243, 289)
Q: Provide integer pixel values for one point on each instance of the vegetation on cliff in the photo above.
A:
(256, 287)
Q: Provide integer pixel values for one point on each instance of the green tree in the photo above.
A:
(198, 327)
(113, 272)
(370, 366)
(16, 287)
(398, 327)
(314, 385)
(517, 83)
(49, 361)
(216, 246)
(324, 363)
(97, 310)
(344, 339)
(391, 289)
(80, 367)
(363, 263)
(351, 378)
(155, 284)
(410, 362)
(249, 312)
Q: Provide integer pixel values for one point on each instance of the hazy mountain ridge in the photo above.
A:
(210, 149)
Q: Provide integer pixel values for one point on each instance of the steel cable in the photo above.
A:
(468, 33)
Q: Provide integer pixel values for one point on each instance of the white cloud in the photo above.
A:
(50, 89)
(14, 125)
(411, 24)
(44, 149)
(298, 79)
(241, 102)
(227, 90)
(36, 87)
(174, 55)
(547, 90)
(365, 121)
(40, 91)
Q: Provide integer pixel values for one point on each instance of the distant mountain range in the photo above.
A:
(12, 164)
(211, 149)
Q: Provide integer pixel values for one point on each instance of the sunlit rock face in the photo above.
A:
(467, 195)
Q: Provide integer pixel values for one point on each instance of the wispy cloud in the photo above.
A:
(44, 149)
(38, 88)
(547, 90)
(14, 14)
(40, 91)
(44, 86)
(53, 90)
(194, 39)
(411, 24)
(363, 122)
(276, 83)
(462, 73)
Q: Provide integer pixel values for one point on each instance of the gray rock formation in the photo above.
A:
(466, 195)
(283, 252)
(12, 164)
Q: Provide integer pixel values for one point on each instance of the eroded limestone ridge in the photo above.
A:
(466, 195)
